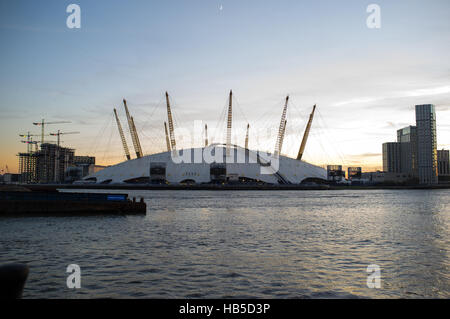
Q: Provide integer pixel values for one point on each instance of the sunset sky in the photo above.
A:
(364, 81)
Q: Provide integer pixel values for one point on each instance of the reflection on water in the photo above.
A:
(239, 244)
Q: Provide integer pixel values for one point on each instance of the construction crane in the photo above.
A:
(5, 170)
(35, 143)
(122, 136)
(229, 123)
(305, 135)
(28, 136)
(30, 141)
(206, 135)
(133, 132)
(43, 123)
(246, 137)
(59, 133)
(57, 155)
(281, 129)
(167, 137)
(169, 117)
(30, 145)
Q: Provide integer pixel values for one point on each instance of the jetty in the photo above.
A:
(41, 203)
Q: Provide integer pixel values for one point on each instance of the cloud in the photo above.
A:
(427, 92)
(442, 108)
(357, 101)
(17, 114)
(395, 125)
(368, 155)
(396, 95)
(31, 28)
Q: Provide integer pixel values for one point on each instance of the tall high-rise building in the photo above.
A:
(407, 136)
(27, 167)
(335, 173)
(354, 173)
(426, 144)
(392, 157)
(443, 163)
(52, 162)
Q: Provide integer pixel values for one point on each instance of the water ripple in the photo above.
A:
(253, 244)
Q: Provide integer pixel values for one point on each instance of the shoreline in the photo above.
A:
(56, 187)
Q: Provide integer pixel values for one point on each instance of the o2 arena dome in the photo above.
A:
(213, 163)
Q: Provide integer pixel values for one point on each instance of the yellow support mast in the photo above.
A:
(229, 123)
(133, 133)
(281, 129)
(169, 117)
(246, 136)
(167, 137)
(122, 136)
(305, 136)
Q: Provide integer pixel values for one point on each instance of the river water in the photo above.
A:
(243, 244)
